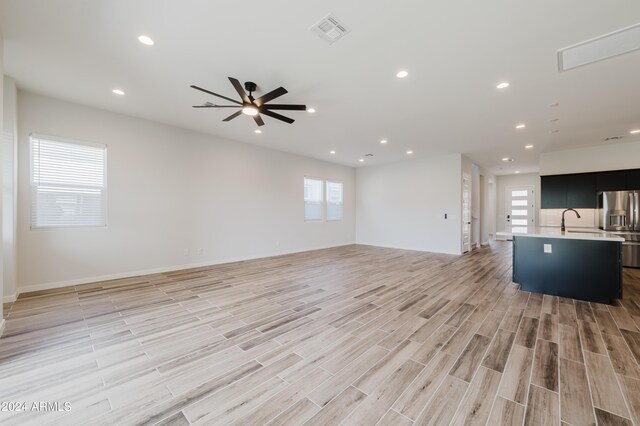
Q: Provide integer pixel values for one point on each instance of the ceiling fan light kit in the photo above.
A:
(251, 106)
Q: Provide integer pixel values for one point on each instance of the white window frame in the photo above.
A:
(32, 184)
(326, 201)
(323, 202)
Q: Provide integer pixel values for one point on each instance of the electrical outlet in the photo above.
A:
(199, 251)
(185, 252)
(547, 248)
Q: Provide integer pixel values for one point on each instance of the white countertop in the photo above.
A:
(571, 233)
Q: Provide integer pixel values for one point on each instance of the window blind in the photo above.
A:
(68, 183)
(313, 199)
(334, 200)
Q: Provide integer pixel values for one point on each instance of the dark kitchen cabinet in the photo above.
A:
(581, 191)
(611, 181)
(633, 179)
(554, 192)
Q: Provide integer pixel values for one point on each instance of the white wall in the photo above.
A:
(505, 181)
(593, 159)
(8, 159)
(170, 189)
(402, 205)
(1, 126)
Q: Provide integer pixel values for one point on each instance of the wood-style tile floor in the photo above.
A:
(354, 335)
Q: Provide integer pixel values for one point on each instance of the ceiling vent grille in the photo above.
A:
(604, 47)
(330, 29)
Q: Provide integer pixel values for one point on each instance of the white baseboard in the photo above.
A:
(2, 324)
(410, 248)
(130, 274)
(10, 299)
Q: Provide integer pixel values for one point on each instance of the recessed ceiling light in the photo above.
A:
(528, 146)
(553, 105)
(503, 85)
(332, 152)
(409, 152)
(311, 110)
(554, 131)
(402, 74)
(633, 132)
(146, 40)
(517, 171)
(257, 131)
(118, 92)
(553, 120)
(383, 141)
(249, 110)
(361, 160)
(521, 126)
(507, 159)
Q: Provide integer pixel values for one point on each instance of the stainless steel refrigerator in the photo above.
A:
(619, 213)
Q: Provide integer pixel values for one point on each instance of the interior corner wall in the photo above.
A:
(170, 189)
(505, 181)
(8, 159)
(620, 156)
(403, 205)
(1, 126)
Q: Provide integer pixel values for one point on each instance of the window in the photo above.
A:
(68, 183)
(322, 199)
(334, 200)
(313, 199)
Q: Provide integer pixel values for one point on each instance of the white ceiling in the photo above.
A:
(455, 52)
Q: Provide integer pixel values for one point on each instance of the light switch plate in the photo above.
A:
(547, 248)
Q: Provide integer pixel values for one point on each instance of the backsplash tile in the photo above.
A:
(553, 217)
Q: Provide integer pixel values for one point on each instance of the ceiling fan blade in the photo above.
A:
(236, 85)
(215, 106)
(232, 116)
(270, 96)
(258, 120)
(277, 116)
(215, 94)
(285, 107)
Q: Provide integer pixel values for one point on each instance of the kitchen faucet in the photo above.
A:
(562, 227)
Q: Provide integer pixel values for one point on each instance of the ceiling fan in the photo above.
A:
(251, 106)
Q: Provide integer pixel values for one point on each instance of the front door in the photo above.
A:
(520, 208)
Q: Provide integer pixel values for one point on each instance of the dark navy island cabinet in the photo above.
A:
(579, 269)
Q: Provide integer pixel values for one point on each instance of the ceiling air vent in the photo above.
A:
(330, 28)
(597, 49)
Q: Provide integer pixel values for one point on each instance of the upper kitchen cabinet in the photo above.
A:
(554, 192)
(633, 179)
(581, 191)
(611, 181)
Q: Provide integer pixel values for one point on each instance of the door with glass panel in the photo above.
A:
(520, 208)
(466, 213)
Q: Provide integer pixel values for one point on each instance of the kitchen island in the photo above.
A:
(577, 263)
